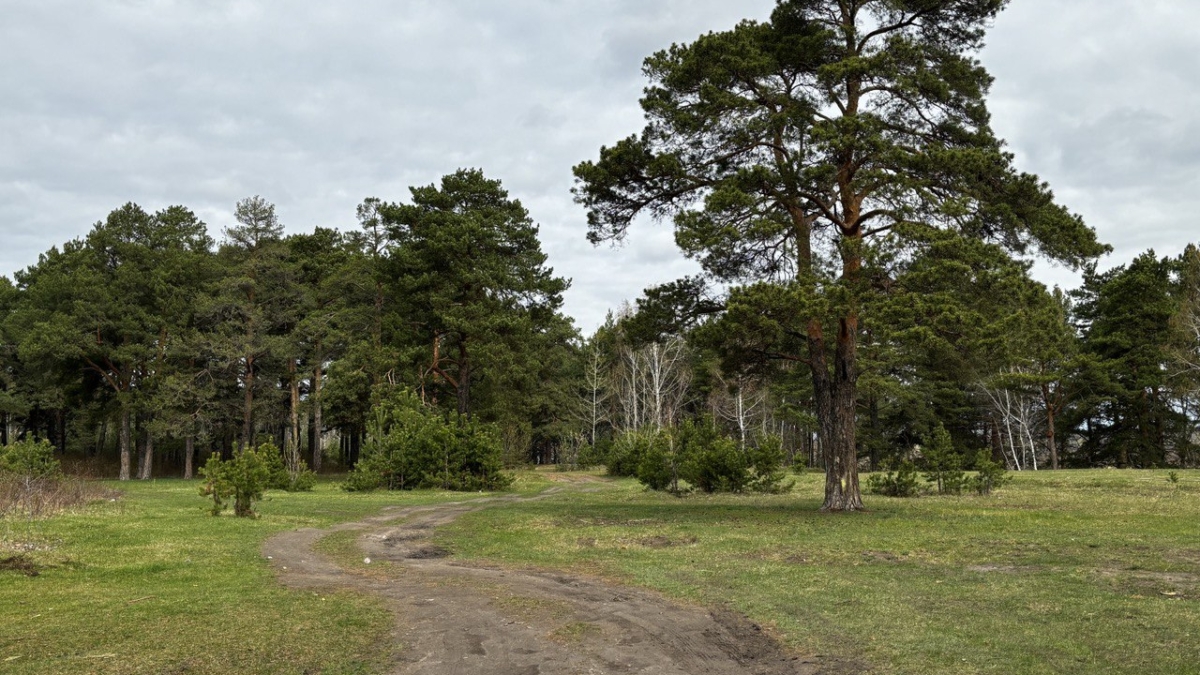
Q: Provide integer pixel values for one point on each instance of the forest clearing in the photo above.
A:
(788, 360)
(1065, 572)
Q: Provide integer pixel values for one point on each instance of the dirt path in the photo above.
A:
(457, 619)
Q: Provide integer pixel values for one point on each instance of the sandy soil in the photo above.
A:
(454, 618)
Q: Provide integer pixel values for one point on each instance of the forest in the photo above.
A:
(866, 246)
(146, 346)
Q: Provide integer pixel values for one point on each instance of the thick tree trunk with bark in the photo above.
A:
(293, 452)
(146, 464)
(318, 435)
(189, 456)
(126, 459)
(841, 474)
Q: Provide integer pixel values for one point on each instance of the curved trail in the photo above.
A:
(458, 619)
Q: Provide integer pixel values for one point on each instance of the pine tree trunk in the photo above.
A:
(189, 455)
(293, 455)
(842, 491)
(248, 405)
(145, 466)
(126, 472)
(318, 435)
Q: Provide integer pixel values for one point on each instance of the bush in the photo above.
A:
(30, 459)
(898, 482)
(595, 454)
(32, 484)
(766, 462)
(697, 453)
(410, 446)
(719, 466)
(626, 452)
(661, 461)
(243, 478)
(302, 480)
(943, 466)
(990, 474)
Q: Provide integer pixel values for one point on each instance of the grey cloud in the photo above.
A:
(317, 105)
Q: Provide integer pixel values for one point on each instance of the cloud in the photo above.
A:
(318, 105)
(1099, 99)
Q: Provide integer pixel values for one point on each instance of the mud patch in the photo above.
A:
(574, 478)
(1149, 584)
(575, 632)
(659, 541)
(426, 552)
(19, 564)
(884, 556)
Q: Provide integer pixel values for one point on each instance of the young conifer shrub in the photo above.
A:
(943, 464)
(989, 475)
(899, 481)
(242, 479)
(410, 446)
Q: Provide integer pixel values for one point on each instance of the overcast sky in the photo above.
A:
(316, 105)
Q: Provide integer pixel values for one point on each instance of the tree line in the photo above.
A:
(146, 340)
(962, 345)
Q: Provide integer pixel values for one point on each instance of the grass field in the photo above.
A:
(1071, 572)
(151, 583)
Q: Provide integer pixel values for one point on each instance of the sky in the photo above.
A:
(318, 105)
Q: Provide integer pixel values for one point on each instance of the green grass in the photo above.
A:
(1073, 572)
(1069, 572)
(151, 583)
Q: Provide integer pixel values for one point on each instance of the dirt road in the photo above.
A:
(457, 619)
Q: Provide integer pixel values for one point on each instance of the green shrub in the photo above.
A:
(302, 480)
(900, 481)
(990, 474)
(766, 464)
(594, 454)
(30, 459)
(410, 446)
(662, 461)
(625, 454)
(697, 453)
(243, 479)
(718, 466)
(943, 466)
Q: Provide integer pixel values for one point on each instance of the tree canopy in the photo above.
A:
(806, 152)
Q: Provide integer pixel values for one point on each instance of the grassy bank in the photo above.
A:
(1069, 572)
(150, 583)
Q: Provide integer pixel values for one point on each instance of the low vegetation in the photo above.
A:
(411, 446)
(33, 486)
(150, 583)
(1063, 572)
(696, 456)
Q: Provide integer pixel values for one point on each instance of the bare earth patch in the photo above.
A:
(455, 618)
(19, 563)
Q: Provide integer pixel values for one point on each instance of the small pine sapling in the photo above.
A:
(900, 481)
(990, 474)
(943, 466)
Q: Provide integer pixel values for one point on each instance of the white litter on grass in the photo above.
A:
(367, 561)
